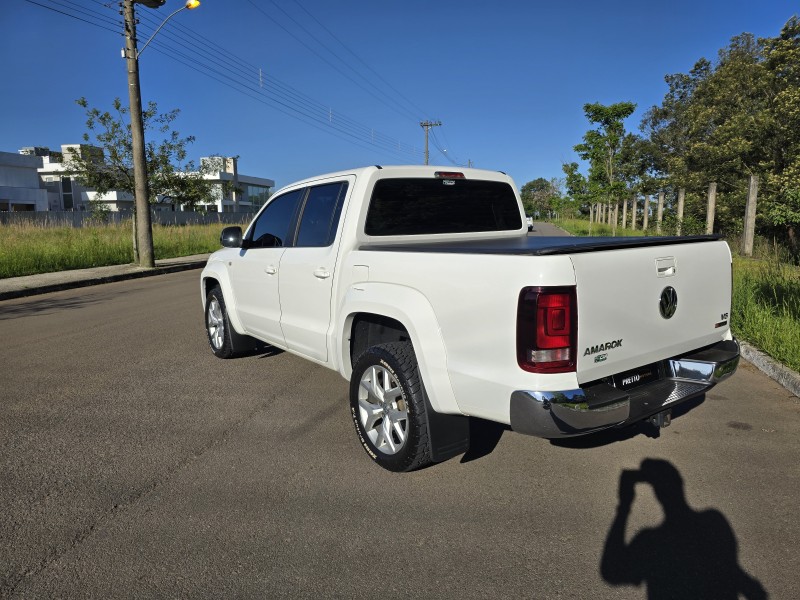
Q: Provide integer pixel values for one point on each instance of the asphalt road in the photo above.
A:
(135, 464)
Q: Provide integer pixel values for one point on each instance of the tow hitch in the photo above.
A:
(662, 419)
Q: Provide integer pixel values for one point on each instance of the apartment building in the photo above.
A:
(36, 179)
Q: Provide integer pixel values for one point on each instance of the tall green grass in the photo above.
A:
(30, 249)
(583, 228)
(765, 308)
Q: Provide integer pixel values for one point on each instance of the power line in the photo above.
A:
(230, 70)
(72, 16)
(248, 73)
(317, 54)
(395, 91)
(443, 151)
(297, 106)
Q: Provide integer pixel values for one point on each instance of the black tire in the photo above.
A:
(392, 428)
(218, 328)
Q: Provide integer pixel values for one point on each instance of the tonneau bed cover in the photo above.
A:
(535, 245)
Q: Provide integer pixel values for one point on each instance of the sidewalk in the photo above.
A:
(31, 285)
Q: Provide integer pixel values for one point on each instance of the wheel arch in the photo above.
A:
(215, 274)
(375, 313)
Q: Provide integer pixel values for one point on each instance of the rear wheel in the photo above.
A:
(217, 324)
(387, 404)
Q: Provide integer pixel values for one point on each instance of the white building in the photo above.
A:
(36, 179)
(64, 193)
(20, 186)
(232, 191)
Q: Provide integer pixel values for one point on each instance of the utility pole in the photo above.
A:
(426, 125)
(143, 227)
(144, 230)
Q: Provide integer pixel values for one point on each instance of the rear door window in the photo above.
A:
(416, 206)
(321, 214)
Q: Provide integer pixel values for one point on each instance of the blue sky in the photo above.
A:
(506, 79)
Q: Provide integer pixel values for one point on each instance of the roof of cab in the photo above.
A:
(402, 170)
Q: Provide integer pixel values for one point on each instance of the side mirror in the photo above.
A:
(231, 237)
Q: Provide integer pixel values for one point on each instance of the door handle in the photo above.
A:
(321, 273)
(270, 270)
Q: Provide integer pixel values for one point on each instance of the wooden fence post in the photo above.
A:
(712, 207)
(750, 217)
(624, 214)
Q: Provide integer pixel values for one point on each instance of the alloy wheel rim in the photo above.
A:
(383, 412)
(216, 324)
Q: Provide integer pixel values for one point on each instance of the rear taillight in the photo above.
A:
(547, 329)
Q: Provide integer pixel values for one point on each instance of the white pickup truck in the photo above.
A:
(421, 287)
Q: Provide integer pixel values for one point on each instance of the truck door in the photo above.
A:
(254, 274)
(307, 272)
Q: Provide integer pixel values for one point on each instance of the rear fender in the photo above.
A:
(414, 312)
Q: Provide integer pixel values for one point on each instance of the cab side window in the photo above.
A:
(321, 214)
(272, 229)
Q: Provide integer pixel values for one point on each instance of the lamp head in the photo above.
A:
(192, 4)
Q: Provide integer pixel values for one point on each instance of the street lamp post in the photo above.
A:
(144, 229)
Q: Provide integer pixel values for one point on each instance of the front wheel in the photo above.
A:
(217, 324)
(387, 404)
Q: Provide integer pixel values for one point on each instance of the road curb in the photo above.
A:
(771, 368)
(134, 273)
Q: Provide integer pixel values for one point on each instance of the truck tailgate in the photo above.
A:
(625, 300)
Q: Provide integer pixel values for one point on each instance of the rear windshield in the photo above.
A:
(428, 206)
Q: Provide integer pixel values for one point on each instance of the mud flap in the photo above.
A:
(243, 344)
(448, 435)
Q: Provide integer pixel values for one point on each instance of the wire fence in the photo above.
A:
(79, 219)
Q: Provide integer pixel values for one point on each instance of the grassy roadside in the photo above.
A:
(765, 308)
(31, 249)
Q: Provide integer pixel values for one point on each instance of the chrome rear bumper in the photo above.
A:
(600, 405)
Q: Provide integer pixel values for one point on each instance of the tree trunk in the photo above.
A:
(646, 211)
(660, 214)
(634, 208)
(681, 200)
(615, 218)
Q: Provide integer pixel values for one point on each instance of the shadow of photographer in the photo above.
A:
(691, 554)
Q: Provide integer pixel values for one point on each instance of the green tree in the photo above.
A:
(716, 124)
(602, 148)
(540, 195)
(111, 169)
(782, 59)
(578, 187)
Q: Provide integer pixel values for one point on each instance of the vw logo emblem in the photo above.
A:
(668, 303)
